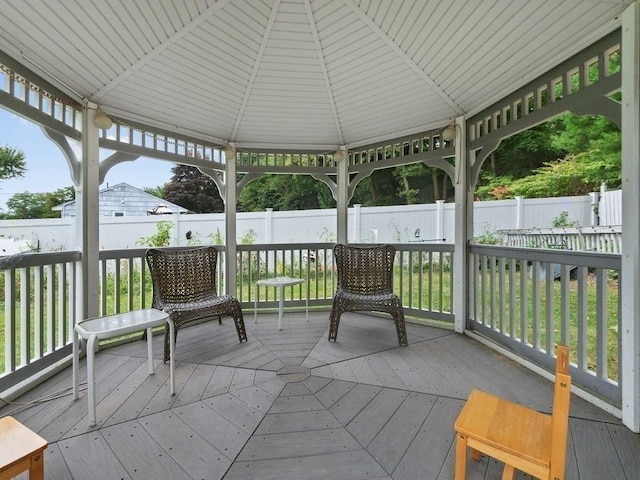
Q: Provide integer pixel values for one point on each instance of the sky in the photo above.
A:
(47, 169)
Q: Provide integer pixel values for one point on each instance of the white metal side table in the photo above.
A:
(111, 326)
(280, 283)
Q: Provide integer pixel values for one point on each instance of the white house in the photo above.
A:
(123, 200)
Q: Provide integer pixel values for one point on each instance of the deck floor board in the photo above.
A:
(289, 404)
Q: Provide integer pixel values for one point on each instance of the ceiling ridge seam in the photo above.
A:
(188, 28)
(403, 55)
(254, 71)
(325, 73)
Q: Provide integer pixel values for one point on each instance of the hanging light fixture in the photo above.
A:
(102, 120)
(229, 152)
(338, 155)
(449, 133)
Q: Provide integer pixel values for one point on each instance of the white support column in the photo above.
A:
(463, 227)
(268, 225)
(230, 209)
(342, 202)
(87, 218)
(630, 275)
(440, 220)
(175, 219)
(519, 212)
(356, 224)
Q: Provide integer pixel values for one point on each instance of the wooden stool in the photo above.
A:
(20, 450)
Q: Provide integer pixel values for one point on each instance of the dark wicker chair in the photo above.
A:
(365, 283)
(184, 285)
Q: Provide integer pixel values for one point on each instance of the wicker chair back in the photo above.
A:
(184, 285)
(365, 283)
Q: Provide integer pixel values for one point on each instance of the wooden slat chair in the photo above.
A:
(365, 283)
(521, 438)
(184, 285)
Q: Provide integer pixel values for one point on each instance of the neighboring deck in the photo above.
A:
(290, 405)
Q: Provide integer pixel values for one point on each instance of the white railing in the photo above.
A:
(602, 239)
(532, 299)
(40, 292)
(423, 278)
(38, 311)
(525, 299)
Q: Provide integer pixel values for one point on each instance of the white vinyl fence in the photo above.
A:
(433, 223)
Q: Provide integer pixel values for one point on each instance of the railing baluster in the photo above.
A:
(565, 273)
(130, 284)
(492, 291)
(501, 294)
(51, 307)
(25, 316)
(62, 305)
(483, 288)
(117, 281)
(38, 311)
(9, 320)
(512, 298)
(550, 299)
(524, 302)
(535, 284)
(602, 329)
(73, 306)
(582, 321)
(103, 286)
(473, 286)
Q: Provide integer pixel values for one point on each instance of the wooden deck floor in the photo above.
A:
(290, 405)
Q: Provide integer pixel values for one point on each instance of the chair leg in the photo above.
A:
(508, 473)
(167, 350)
(401, 328)
(166, 345)
(461, 457)
(334, 322)
(239, 321)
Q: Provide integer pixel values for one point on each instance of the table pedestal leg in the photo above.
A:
(280, 306)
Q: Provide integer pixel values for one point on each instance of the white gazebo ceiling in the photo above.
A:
(302, 73)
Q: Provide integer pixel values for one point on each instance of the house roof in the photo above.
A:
(163, 205)
(302, 73)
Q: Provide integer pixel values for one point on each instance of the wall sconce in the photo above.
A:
(102, 120)
(338, 155)
(449, 133)
(229, 152)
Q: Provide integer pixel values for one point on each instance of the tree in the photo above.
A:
(598, 142)
(571, 155)
(156, 191)
(285, 192)
(37, 205)
(12, 163)
(516, 158)
(573, 175)
(378, 189)
(410, 178)
(193, 190)
(418, 183)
